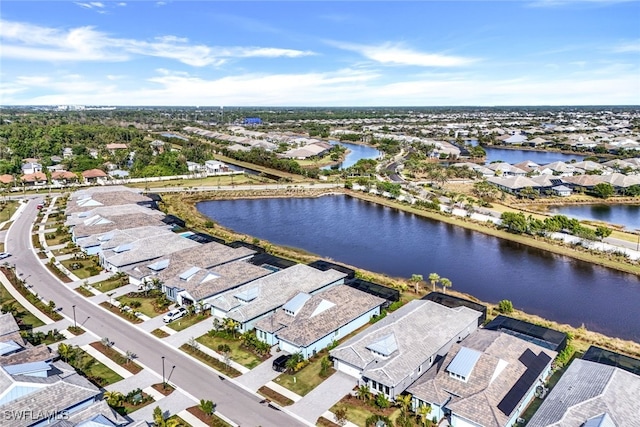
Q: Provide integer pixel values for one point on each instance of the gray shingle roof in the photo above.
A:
(589, 389)
(274, 290)
(7, 324)
(496, 371)
(322, 314)
(149, 248)
(421, 328)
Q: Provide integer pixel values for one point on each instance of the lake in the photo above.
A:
(384, 240)
(517, 156)
(625, 215)
(357, 152)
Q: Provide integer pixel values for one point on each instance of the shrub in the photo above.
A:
(505, 306)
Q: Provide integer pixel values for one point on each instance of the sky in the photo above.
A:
(320, 53)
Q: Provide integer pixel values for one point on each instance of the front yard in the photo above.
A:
(307, 378)
(358, 411)
(150, 304)
(189, 320)
(83, 268)
(236, 352)
(110, 284)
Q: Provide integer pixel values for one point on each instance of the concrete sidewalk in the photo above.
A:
(23, 301)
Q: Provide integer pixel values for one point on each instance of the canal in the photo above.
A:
(399, 244)
(627, 216)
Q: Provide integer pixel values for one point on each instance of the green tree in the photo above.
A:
(207, 406)
(66, 351)
(363, 392)
(515, 222)
(505, 306)
(604, 190)
(115, 399)
(603, 232)
(446, 283)
(422, 413)
(434, 278)
(382, 401)
(416, 279)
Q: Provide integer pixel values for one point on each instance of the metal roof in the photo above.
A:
(27, 368)
(159, 265)
(248, 294)
(296, 303)
(123, 248)
(9, 347)
(385, 345)
(603, 420)
(190, 272)
(106, 237)
(464, 362)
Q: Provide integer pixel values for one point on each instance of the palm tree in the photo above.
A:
(231, 326)
(416, 279)
(404, 401)
(434, 278)
(115, 399)
(66, 351)
(363, 393)
(422, 412)
(446, 283)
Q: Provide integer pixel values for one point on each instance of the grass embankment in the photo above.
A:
(184, 207)
(267, 171)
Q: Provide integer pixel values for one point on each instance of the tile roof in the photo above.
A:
(421, 328)
(147, 248)
(589, 389)
(316, 319)
(275, 290)
(497, 369)
(94, 173)
(7, 324)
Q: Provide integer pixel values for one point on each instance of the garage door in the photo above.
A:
(348, 369)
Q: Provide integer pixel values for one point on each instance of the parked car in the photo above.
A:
(174, 314)
(4, 255)
(39, 206)
(280, 364)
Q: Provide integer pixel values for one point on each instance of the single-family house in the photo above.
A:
(215, 166)
(90, 198)
(37, 178)
(112, 148)
(561, 190)
(517, 139)
(63, 177)
(307, 324)
(488, 379)
(505, 169)
(392, 353)
(252, 301)
(513, 184)
(118, 254)
(195, 167)
(7, 179)
(590, 394)
(94, 176)
(29, 168)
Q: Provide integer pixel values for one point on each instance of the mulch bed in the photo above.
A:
(112, 354)
(165, 390)
(323, 422)
(112, 308)
(77, 330)
(275, 396)
(84, 291)
(159, 333)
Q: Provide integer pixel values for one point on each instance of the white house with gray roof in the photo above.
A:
(486, 380)
(252, 301)
(591, 394)
(307, 324)
(391, 354)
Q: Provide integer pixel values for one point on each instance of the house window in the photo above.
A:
(386, 389)
(379, 387)
(419, 368)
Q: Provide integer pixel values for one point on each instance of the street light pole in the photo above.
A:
(163, 382)
(74, 316)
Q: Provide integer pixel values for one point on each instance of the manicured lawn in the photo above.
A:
(238, 354)
(108, 285)
(116, 310)
(84, 291)
(87, 267)
(195, 183)
(22, 315)
(57, 239)
(185, 322)
(180, 421)
(98, 370)
(358, 411)
(210, 360)
(306, 379)
(147, 306)
(7, 209)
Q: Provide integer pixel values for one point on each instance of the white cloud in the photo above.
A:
(346, 87)
(397, 54)
(35, 43)
(629, 47)
(121, 4)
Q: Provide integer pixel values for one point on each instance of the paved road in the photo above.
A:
(239, 405)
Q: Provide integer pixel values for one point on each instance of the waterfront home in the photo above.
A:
(215, 166)
(591, 394)
(123, 250)
(513, 184)
(561, 190)
(488, 379)
(192, 275)
(505, 169)
(307, 324)
(90, 198)
(252, 301)
(98, 225)
(391, 354)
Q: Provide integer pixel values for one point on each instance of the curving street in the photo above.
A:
(241, 406)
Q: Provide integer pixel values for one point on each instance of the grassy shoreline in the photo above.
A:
(184, 206)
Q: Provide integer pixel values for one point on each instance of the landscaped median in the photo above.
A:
(126, 360)
(19, 285)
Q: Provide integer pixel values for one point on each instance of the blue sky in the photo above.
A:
(315, 53)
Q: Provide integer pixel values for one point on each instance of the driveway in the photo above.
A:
(323, 397)
(260, 375)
